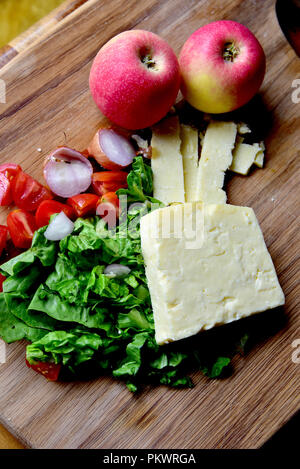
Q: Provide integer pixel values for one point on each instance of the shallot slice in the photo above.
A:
(111, 149)
(60, 227)
(116, 270)
(67, 172)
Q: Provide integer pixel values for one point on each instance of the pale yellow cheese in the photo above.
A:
(259, 158)
(215, 159)
(243, 128)
(189, 151)
(166, 161)
(227, 274)
(243, 157)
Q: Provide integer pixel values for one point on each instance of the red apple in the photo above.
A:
(135, 79)
(222, 67)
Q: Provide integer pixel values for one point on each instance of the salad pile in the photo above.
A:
(81, 298)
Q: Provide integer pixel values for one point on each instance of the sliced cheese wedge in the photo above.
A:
(260, 155)
(243, 157)
(189, 151)
(229, 276)
(166, 161)
(216, 157)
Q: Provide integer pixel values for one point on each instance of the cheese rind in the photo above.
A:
(215, 159)
(189, 151)
(166, 161)
(230, 276)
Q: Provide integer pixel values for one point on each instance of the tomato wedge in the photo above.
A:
(108, 181)
(3, 237)
(49, 370)
(10, 170)
(7, 172)
(5, 191)
(83, 204)
(2, 278)
(27, 192)
(48, 208)
(109, 209)
(21, 226)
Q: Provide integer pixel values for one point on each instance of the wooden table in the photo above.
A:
(48, 104)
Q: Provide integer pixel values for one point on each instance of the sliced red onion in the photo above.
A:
(117, 270)
(116, 147)
(67, 172)
(60, 227)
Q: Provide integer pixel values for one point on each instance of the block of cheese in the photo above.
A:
(166, 161)
(216, 157)
(243, 157)
(259, 158)
(189, 151)
(228, 276)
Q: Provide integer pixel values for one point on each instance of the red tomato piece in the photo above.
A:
(83, 204)
(2, 278)
(108, 181)
(49, 370)
(21, 226)
(48, 208)
(5, 191)
(3, 237)
(27, 192)
(108, 208)
(10, 170)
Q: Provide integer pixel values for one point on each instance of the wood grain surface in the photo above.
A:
(48, 104)
(37, 31)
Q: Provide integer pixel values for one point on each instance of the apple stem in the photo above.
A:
(148, 61)
(230, 51)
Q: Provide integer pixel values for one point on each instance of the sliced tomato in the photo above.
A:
(49, 370)
(21, 226)
(108, 181)
(3, 237)
(108, 208)
(5, 191)
(10, 170)
(7, 173)
(83, 204)
(2, 278)
(48, 208)
(27, 192)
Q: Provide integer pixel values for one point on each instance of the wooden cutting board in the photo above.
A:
(48, 104)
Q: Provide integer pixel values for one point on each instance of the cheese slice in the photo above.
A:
(243, 157)
(166, 161)
(259, 158)
(216, 157)
(189, 151)
(226, 275)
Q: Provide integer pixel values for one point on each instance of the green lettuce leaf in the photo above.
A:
(13, 329)
(41, 250)
(140, 183)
